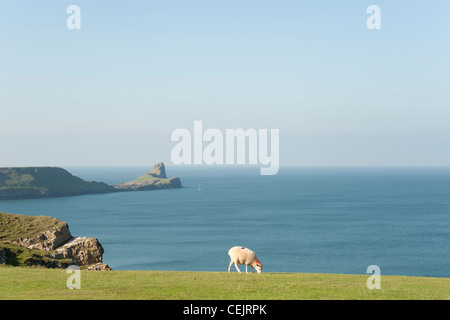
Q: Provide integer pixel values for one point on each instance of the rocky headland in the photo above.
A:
(46, 242)
(155, 179)
(45, 182)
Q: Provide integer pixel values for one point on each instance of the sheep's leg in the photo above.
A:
(237, 268)
(229, 267)
(246, 268)
(253, 270)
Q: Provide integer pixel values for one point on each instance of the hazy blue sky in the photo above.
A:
(112, 92)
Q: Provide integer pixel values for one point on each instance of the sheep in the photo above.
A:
(242, 255)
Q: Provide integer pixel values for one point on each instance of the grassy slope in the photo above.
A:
(146, 177)
(150, 179)
(14, 226)
(39, 283)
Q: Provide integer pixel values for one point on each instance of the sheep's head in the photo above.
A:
(258, 266)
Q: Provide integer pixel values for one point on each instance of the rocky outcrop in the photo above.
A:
(47, 240)
(159, 171)
(153, 180)
(101, 266)
(82, 251)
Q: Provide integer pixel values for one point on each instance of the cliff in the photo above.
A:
(46, 242)
(155, 179)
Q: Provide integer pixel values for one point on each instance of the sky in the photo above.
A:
(111, 93)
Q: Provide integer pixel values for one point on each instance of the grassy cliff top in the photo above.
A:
(14, 226)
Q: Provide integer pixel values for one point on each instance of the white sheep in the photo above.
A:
(242, 255)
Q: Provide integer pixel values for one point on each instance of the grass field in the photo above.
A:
(40, 283)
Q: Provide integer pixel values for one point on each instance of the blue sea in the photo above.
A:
(314, 220)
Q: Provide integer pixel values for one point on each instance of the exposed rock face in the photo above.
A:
(175, 182)
(159, 171)
(47, 240)
(99, 267)
(82, 251)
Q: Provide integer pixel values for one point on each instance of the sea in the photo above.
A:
(304, 219)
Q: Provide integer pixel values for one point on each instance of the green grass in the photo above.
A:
(14, 226)
(40, 283)
(20, 256)
(149, 179)
(146, 177)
